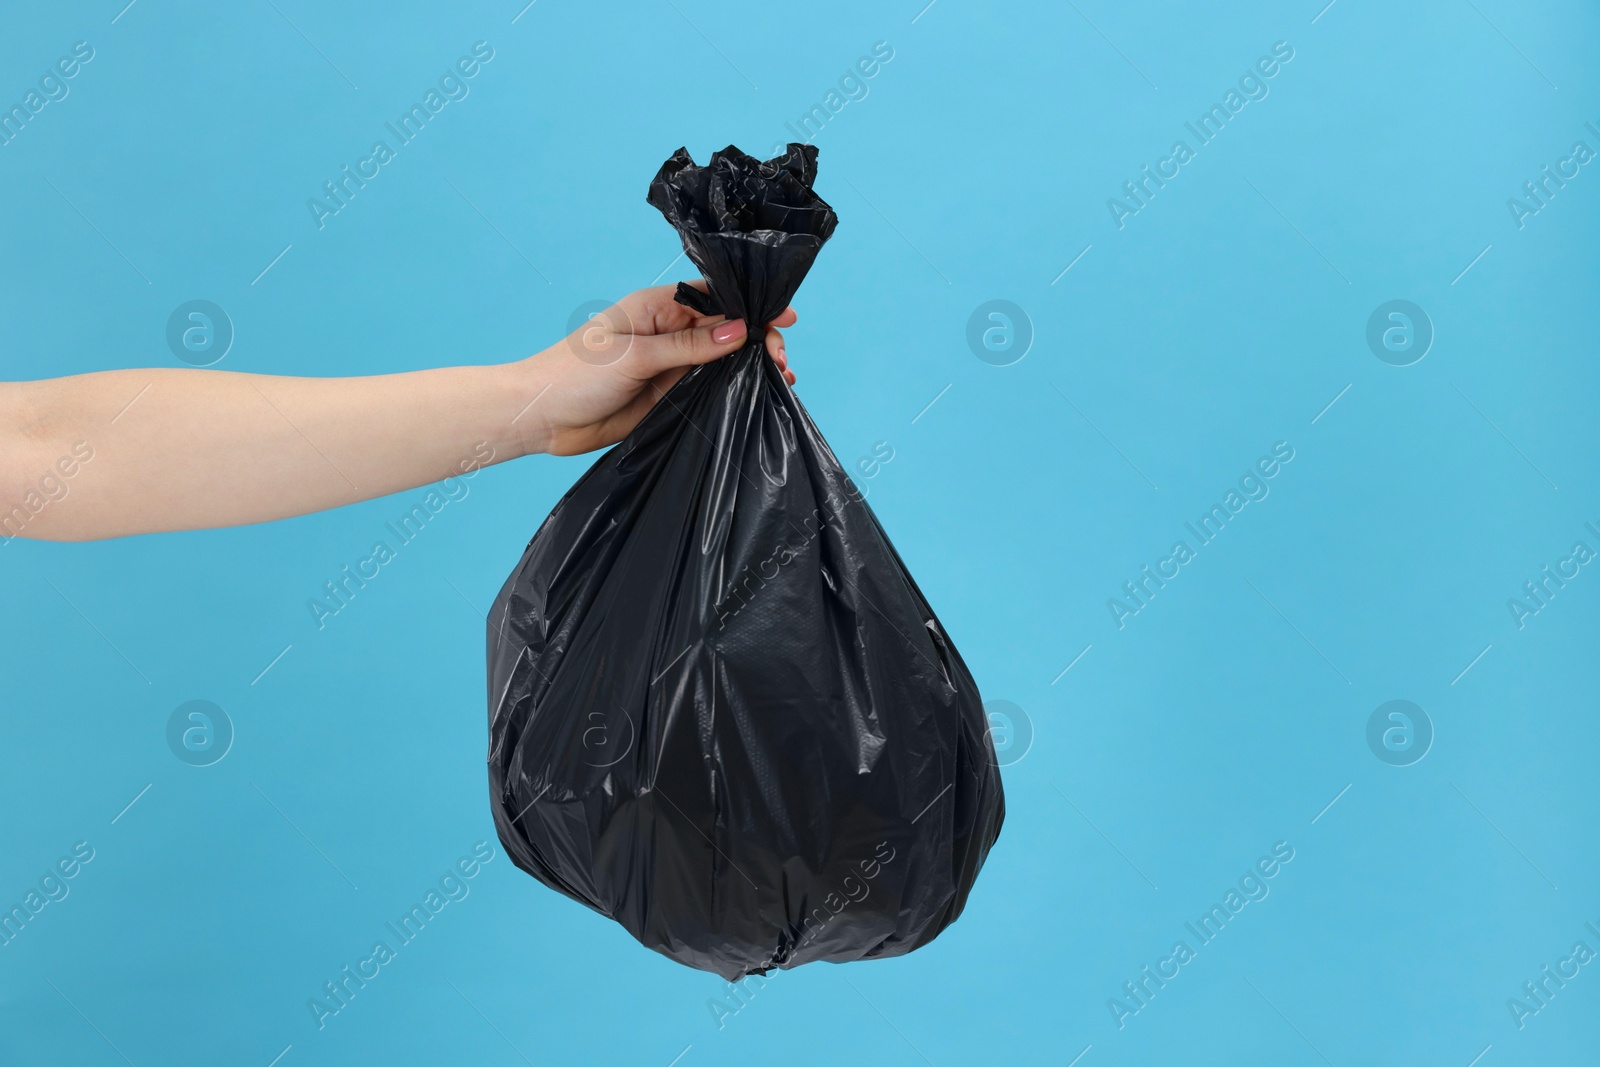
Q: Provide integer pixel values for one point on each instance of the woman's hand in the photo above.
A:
(595, 386)
(186, 449)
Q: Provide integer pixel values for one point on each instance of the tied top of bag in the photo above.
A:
(752, 228)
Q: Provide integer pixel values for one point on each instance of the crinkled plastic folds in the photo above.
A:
(720, 711)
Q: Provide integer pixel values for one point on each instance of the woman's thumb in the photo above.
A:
(702, 344)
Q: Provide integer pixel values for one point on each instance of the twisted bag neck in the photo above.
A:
(752, 228)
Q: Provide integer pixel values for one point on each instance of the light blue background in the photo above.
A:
(1223, 318)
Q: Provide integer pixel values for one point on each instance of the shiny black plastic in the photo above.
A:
(720, 711)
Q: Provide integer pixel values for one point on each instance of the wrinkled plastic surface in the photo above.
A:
(720, 711)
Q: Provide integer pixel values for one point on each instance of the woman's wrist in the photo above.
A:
(524, 385)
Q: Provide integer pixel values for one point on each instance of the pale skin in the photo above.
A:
(184, 449)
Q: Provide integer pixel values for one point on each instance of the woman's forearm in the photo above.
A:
(177, 449)
(140, 451)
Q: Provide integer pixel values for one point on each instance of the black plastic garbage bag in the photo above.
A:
(720, 711)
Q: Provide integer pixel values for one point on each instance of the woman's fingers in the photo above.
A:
(669, 335)
(774, 343)
(655, 310)
(684, 348)
(659, 306)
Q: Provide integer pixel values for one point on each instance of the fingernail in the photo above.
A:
(728, 331)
